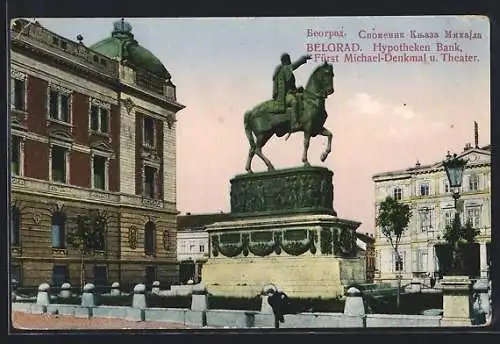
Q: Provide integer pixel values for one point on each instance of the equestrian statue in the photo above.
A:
(291, 109)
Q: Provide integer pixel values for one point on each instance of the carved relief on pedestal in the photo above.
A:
(286, 190)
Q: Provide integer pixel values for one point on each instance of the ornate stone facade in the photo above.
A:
(426, 190)
(74, 128)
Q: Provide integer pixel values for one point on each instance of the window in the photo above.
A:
(473, 182)
(58, 160)
(424, 189)
(99, 119)
(151, 182)
(59, 275)
(399, 266)
(59, 105)
(15, 226)
(58, 230)
(100, 242)
(202, 248)
(191, 248)
(398, 194)
(425, 219)
(149, 132)
(446, 186)
(99, 171)
(449, 215)
(149, 238)
(473, 215)
(15, 165)
(18, 92)
(421, 260)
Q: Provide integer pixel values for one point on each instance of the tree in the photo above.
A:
(456, 234)
(393, 219)
(88, 236)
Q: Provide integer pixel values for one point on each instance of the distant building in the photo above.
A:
(192, 243)
(93, 128)
(366, 242)
(426, 189)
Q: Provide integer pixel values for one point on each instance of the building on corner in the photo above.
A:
(93, 128)
(426, 189)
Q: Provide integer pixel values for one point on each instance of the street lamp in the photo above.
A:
(454, 168)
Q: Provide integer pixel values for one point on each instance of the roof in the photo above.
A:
(199, 221)
(418, 168)
(123, 47)
(365, 237)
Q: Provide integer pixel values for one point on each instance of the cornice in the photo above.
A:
(73, 65)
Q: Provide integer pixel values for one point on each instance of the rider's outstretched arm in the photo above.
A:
(300, 61)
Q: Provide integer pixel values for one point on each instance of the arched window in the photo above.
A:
(15, 226)
(58, 230)
(149, 238)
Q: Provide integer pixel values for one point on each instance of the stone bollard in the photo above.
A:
(65, 291)
(199, 297)
(88, 297)
(139, 298)
(43, 298)
(481, 306)
(156, 288)
(115, 289)
(354, 305)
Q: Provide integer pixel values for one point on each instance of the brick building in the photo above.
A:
(92, 128)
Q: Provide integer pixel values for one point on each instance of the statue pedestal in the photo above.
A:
(283, 230)
(304, 256)
(456, 300)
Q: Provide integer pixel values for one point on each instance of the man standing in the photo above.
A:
(284, 88)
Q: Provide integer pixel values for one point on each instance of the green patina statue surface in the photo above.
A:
(295, 190)
(291, 109)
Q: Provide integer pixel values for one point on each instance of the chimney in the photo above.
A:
(476, 135)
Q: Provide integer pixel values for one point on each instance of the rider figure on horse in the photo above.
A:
(285, 92)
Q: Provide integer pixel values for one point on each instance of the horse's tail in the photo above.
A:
(248, 129)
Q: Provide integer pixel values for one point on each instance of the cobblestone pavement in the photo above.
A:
(28, 321)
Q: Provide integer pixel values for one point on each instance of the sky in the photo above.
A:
(383, 115)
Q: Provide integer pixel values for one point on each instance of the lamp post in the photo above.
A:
(454, 168)
(456, 287)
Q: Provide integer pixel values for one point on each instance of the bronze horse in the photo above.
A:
(263, 124)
